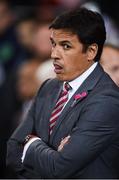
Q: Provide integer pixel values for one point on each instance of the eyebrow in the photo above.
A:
(61, 42)
(65, 42)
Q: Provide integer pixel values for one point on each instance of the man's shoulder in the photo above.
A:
(49, 85)
(51, 82)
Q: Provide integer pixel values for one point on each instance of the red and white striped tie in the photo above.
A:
(59, 106)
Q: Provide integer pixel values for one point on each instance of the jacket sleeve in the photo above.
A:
(95, 131)
(14, 144)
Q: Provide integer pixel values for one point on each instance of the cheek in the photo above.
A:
(69, 65)
(74, 61)
(70, 60)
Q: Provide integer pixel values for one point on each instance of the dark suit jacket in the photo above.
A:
(91, 121)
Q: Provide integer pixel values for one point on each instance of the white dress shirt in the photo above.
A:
(75, 84)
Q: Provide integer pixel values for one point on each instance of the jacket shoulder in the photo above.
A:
(49, 85)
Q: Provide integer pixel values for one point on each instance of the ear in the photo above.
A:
(92, 52)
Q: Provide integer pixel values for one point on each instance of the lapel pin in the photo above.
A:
(78, 97)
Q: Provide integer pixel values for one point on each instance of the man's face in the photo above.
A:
(110, 63)
(67, 52)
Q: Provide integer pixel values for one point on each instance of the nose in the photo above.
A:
(55, 53)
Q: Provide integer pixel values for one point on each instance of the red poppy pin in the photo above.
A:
(79, 97)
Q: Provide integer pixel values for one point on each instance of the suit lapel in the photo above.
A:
(87, 86)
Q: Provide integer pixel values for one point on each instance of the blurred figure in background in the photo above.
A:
(6, 16)
(12, 54)
(31, 75)
(26, 28)
(10, 50)
(42, 45)
(45, 71)
(27, 83)
(110, 61)
(26, 86)
(6, 19)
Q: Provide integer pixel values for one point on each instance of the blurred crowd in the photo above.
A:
(25, 61)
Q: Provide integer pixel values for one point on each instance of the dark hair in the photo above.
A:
(86, 24)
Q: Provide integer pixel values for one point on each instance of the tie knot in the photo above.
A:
(66, 87)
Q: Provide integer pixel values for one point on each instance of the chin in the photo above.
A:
(60, 77)
(64, 78)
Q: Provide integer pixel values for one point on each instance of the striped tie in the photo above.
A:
(59, 106)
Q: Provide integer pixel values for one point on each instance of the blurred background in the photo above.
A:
(25, 54)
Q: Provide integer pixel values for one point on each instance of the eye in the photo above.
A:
(53, 43)
(66, 46)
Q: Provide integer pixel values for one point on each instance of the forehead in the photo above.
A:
(63, 35)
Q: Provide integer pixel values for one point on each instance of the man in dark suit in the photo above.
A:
(74, 134)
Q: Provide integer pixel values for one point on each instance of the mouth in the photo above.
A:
(57, 68)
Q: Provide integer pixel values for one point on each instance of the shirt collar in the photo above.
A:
(76, 83)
